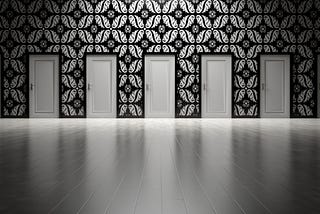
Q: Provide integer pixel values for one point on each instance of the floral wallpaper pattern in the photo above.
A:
(133, 28)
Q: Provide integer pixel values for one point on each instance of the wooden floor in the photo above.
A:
(154, 166)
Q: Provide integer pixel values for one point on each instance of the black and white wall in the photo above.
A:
(132, 28)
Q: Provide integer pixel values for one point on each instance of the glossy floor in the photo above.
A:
(153, 166)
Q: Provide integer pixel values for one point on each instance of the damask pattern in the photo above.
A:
(133, 28)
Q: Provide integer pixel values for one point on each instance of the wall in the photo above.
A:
(132, 28)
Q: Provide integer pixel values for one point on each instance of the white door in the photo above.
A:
(216, 86)
(102, 86)
(159, 85)
(275, 86)
(44, 101)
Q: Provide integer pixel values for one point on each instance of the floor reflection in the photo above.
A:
(160, 166)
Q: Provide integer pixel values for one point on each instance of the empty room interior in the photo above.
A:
(160, 106)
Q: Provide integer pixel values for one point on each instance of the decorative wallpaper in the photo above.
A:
(132, 28)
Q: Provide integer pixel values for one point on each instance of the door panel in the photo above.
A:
(275, 77)
(216, 86)
(159, 86)
(101, 80)
(44, 86)
(275, 86)
(101, 74)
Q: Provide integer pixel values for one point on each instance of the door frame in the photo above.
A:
(85, 56)
(259, 56)
(1, 84)
(59, 82)
(144, 80)
(318, 85)
(232, 77)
